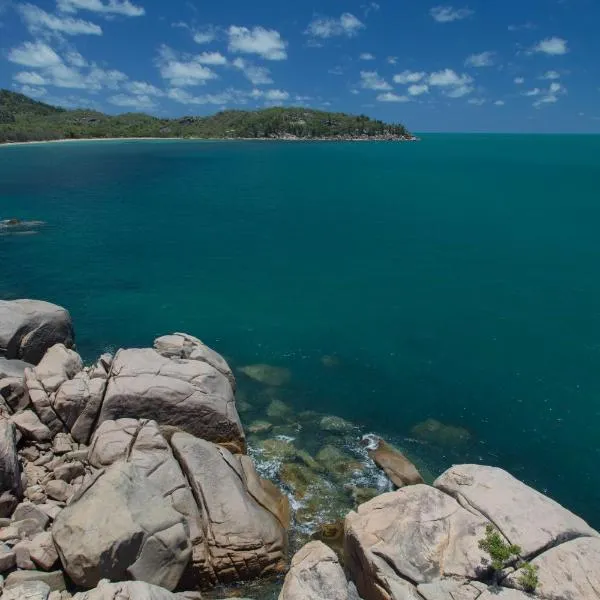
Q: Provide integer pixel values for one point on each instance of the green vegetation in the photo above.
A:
(500, 552)
(528, 579)
(23, 119)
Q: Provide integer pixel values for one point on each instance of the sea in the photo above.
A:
(456, 279)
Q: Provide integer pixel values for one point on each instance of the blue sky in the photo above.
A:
(485, 65)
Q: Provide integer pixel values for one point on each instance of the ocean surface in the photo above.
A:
(456, 279)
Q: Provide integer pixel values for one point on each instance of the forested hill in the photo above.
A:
(23, 119)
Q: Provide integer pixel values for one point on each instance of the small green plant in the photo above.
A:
(500, 551)
(528, 579)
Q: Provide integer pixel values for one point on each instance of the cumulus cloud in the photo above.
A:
(211, 58)
(29, 78)
(418, 89)
(484, 59)
(519, 80)
(326, 27)
(551, 75)
(39, 21)
(448, 14)
(409, 77)
(256, 75)
(75, 59)
(182, 71)
(533, 92)
(32, 91)
(138, 102)
(370, 80)
(366, 56)
(230, 96)
(391, 97)
(499, 103)
(258, 40)
(476, 101)
(205, 35)
(115, 7)
(142, 88)
(271, 96)
(452, 84)
(551, 95)
(391, 60)
(34, 54)
(553, 46)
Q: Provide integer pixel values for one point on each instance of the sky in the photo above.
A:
(485, 65)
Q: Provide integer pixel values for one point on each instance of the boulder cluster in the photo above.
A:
(128, 479)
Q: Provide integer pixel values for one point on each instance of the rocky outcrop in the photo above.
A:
(244, 533)
(415, 535)
(130, 590)
(185, 394)
(523, 515)
(316, 574)
(10, 471)
(30, 327)
(137, 534)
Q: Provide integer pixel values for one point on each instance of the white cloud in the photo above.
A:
(29, 78)
(484, 59)
(115, 7)
(523, 26)
(140, 102)
(448, 78)
(370, 7)
(326, 27)
(258, 40)
(205, 36)
(391, 60)
(476, 101)
(448, 14)
(370, 80)
(409, 77)
(533, 92)
(211, 58)
(182, 72)
(553, 46)
(551, 95)
(34, 54)
(222, 98)
(141, 88)
(555, 87)
(366, 56)
(459, 92)
(519, 80)
(499, 103)
(256, 75)
(38, 20)
(354, 92)
(337, 70)
(33, 92)
(75, 59)
(551, 75)
(418, 89)
(391, 97)
(272, 96)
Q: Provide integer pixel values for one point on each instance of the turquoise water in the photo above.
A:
(456, 278)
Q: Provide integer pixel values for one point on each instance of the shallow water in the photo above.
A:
(454, 279)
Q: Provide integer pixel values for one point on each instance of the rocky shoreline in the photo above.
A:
(134, 479)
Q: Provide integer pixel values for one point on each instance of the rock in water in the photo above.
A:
(523, 515)
(436, 432)
(315, 574)
(189, 395)
(395, 465)
(415, 534)
(138, 535)
(11, 490)
(268, 374)
(28, 328)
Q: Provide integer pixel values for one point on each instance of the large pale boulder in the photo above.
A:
(129, 590)
(182, 345)
(416, 534)
(185, 394)
(523, 515)
(244, 536)
(29, 590)
(30, 327)
(452, 589)
(142, 444)
(136, 533)
(570, 570)
(316, 574)
(11, 490)
(13, 368)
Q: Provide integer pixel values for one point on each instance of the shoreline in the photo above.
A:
(199, 139)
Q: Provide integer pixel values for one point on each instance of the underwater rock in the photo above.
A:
(277, 449)
(279, 410)
(395, 465)
(335, 424)
(436, 432)
(330, 361)
(259, 427)
(267, 374)
(338, 463)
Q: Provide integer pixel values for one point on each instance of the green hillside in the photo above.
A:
(23, 119)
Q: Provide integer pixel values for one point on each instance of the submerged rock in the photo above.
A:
(268, 374)
(335, 424)
(395, 465)
(436, 432)
(330, 361)
(279, 410)
(341, 465)
(258, 427)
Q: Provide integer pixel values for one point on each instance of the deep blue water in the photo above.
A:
(457, 278)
